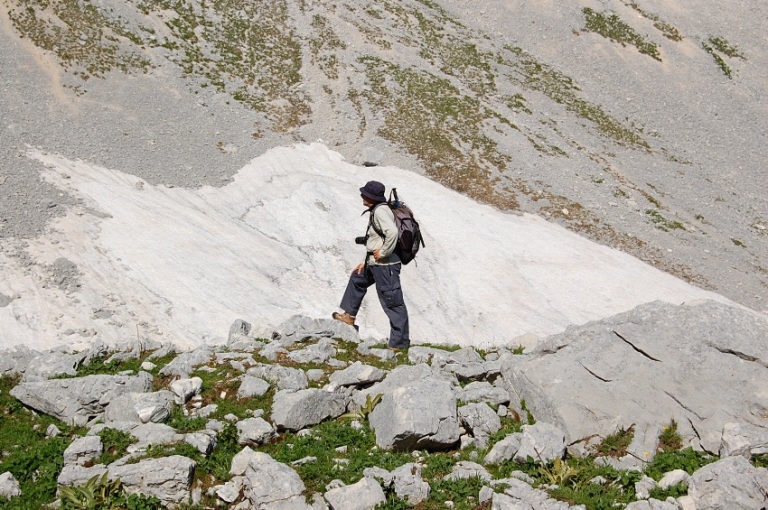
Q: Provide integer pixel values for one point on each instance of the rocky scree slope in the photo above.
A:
(309, 416)
(637, 124)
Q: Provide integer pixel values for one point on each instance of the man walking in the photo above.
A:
(381, 267)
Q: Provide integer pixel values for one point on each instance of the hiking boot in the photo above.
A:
(345, 318)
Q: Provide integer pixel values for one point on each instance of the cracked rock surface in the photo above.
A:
(702, 365)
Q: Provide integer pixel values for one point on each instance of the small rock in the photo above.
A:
(9, 487)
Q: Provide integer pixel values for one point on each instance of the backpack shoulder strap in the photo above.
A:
(372, 223)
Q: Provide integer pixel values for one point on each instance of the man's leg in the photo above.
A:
(391, 298)
(357, 286)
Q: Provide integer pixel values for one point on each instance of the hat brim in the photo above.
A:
(375, 198)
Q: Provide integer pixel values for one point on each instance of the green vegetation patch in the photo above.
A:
(669, 31)
(251, 52)
(612, 27)
(718, 47)
(616, 445)
(33, 459)
(339, 452)
(101, 493)
(687, 459)
(115, 443)
(562, 89)
(433, 120)
(322, 45)
(670, 439)
(80, 35)
(663, 223)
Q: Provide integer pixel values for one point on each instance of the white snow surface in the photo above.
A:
(180, 265)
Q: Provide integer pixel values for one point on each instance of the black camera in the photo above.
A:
(361, 240)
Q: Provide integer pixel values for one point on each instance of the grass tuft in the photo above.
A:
(612, 27)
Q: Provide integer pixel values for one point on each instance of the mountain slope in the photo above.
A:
(638, 125)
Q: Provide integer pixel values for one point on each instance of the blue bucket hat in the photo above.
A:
(374, 190)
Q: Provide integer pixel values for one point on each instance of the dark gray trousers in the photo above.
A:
(387, 280)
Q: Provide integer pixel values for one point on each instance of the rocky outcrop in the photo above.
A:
(730, 484)
(703, 365)
(82, 399)
(295, 410)
(446, 400)
(268, 482)
(166, 478)
(366, 494)
(420, 415)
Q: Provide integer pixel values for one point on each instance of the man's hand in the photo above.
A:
(376, 255)
(359, 268)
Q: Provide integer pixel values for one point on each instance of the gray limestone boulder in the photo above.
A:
(472, 371)
(83, 450)
(155, 407)
(403, 375)
(409, 484)
(654, 504)
(644, 486)
(357, 374)
(300, 328)
(240, 461)
(51, 364)
(701, 364)
(480, 420)
(252, 386)
(230, 491)
(284, 378)
(295, 410)
(267, 482)
(674, 477)
(9, 486)
(366, 494)
(184, 389)
(519, 495)
(743, 439)
(320, 352)
(79, 400)
(729, 484)
(186, 362)
(466, 469)
(166, 478)
(254, 432)
(504, 450)
(483, 391)
(419, 415)
(147, 434)
(436, 356)
(240, 338)
(205, 442)
(371, 156)
(73, 475)
(15, 361)
(542, 442)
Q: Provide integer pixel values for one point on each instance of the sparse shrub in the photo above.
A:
(670, 439)
(115, 443)
(100, 493)
(616, 444)
(365, 410)
(558, 473)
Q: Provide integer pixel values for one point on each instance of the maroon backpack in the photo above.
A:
(409, 238)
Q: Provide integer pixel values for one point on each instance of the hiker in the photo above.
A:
(381, 267)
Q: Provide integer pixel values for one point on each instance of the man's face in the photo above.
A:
(366, 201)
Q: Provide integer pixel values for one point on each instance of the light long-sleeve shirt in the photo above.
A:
(384, 220)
